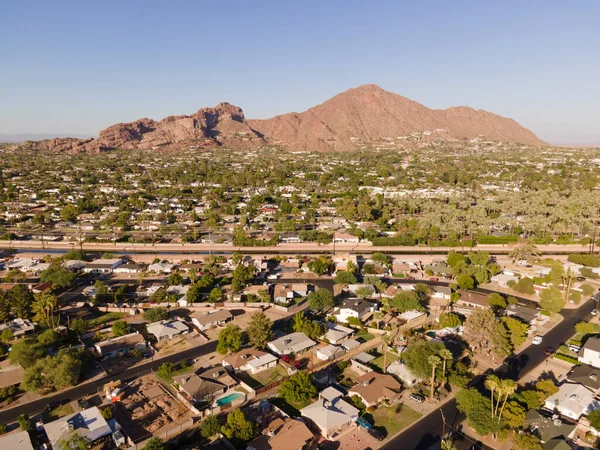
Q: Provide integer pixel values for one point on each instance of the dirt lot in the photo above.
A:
(147, 407)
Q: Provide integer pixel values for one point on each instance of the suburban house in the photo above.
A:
(502, 279)
(330, 413)
(340, 262)
(469, 301)
(545, 427)
(88, 423)
(360, 363)
(352, 288)
(572, 400)
(19, 327)
(441, 292)
(282, 434)
(162, 267)
(400, 268)
(330, 352)
(337, 333)
(130, 267)
(206, 385)
(249, 360)
(284, 293)
(354, 307)
(401, 371)
(119, 346)
(373, 388)
(590, 352)
(205, 320)
(166, 329)
(291, 344)
(532, 316)
(586, 375)
(102, 265)
(439, 269)
(19, 440)
(42, 287)
(350, 344)
(341, 237)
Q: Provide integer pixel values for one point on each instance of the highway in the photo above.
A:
(427, 433)
(301, 248)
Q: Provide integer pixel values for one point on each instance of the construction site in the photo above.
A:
(144, 408)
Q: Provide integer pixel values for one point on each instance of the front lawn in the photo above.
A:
(105, 318)
(391, 357)
(263, 378)
(393, 422)
(292, 410)
(364, 334)
(58, 412)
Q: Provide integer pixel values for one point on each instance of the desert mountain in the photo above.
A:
(366, 113)
(223, 125)
(370, 113)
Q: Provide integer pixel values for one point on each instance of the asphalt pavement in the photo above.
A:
(427, 433)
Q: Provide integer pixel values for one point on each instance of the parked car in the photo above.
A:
(417, 398)
(594, 312)
(550, 351)
(575, 348)
(580, 278)
(536, 340)
(410, 278)
(376, 434)
(434, 279)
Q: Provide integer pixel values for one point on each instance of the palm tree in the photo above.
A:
(492, 382)
(508, 388)
(445, 354)
(45, 304)
(386, 338)
(434, 361)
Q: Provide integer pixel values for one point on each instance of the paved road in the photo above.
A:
(426, 434)
(305, 247)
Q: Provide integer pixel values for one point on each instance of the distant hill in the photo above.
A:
(354, 117)
(36, 136)
(371, 113)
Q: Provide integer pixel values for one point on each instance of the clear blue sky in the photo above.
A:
(79, 66)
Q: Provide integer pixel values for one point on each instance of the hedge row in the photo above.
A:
(567, 358)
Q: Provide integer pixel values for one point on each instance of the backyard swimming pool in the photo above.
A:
(229, 398)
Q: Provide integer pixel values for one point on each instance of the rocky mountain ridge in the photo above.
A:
(350, 119)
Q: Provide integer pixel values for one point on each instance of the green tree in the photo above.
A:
(7, 335)
(321, 299)
(434, 361)
(156, 314)
(500, 340)
(53, 372)
(175, 278)
(45, 306)
(479, 327)
(155, 443)
(594, 418)
(551, 300)
(48, 338)
(476, 407)
(382, 259)
(25, 422)
(216, 295)
(465, 281)
(450, 319)
(517, 330)
(120, 328)
(26, 352)
(587, 289)
(454, 259)
(527, 441)
(80, 325)
(497, 301)
(230, 339)
(69, 213)
(298, 388)
(239, 427)
(166, 370)
(525, 252)
(546, 387)
(101, 288)
(259, 329)
(21, 301)
(210, 427)
(344, 278)
(406, 301)
(363, 292)
(417, 356)
(319, 266)
(75, 442)
(60, 277)
(585, 328)
(241, 276)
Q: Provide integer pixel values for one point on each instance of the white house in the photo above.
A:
(353, 307)
(88, 423)
(590, 353)
(330, 352)
(402, 372)
(167, 329)
(291, 344)
(572, 400)
(209, 319)
(162, 267)
(249, 360)
(337, 333)
(129, 267)
(341, 237)
(103, 265)
(330, 413)
(16, 441)
(19, 327)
